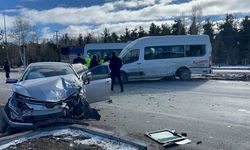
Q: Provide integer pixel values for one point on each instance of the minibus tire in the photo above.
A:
(185, 74)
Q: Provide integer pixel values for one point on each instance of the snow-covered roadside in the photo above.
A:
(237, 67)
(69, 134)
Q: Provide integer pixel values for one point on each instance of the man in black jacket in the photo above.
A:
(7, 68)
(93, 62)
(115, 65)
(79, 59)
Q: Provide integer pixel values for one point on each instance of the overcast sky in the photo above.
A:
(92, 16)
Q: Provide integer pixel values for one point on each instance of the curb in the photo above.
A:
(231, 68)
(91, 130)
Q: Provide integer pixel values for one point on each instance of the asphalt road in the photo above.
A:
(214, 114)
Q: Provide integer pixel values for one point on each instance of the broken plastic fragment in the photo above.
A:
(186, 141)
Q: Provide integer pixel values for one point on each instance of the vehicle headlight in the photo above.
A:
(13, 104)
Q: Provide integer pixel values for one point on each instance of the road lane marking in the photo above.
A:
(244, 110)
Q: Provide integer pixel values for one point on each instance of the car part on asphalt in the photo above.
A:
(168, 138)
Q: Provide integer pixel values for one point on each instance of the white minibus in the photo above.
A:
(163, 56)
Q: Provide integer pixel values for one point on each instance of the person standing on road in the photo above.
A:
(79, 60)
(93, 62)
(115, 65)
(88, 60)
(6, 68)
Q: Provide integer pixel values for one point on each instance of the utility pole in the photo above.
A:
(24, 56)
(57, 46)
(5, 35)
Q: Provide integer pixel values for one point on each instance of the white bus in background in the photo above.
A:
(163, 56)
(102, 49)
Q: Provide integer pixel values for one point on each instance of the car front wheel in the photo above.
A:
(3, 123)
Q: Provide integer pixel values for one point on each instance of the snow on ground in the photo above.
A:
(232, 67)
(90, 140)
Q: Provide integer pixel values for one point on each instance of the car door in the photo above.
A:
(98, 88)
(132, 64)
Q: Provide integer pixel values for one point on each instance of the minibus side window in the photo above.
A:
(195, 50)
(103, 52)
(131, 56)
(163, 52)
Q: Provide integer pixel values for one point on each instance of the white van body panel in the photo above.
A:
(146, 68)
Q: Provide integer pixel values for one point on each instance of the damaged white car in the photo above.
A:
(55, 91)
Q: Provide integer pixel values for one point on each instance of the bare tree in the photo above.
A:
(196, 15)
(21, 31)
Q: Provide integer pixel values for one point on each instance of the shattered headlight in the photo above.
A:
(76, 95)
(17, 102)
(13, 104)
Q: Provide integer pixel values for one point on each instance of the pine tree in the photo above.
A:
(219, 54)
(114, 37)
(154, 30)
(165, 29)
(126, 36)
(141, 32)
(106, 36)
(208, 29)
(89, 39)
(229, 37)
(244, 41)
(134, 34)
(80, 40)
(194, 28)
(178, 28)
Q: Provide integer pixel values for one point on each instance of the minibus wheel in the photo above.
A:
(185, 74)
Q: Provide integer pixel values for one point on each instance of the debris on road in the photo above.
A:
(110, 101)
(184, 134)
(168, 138)
(199, 142)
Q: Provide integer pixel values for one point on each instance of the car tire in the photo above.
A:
(185, 74)
(3, 123)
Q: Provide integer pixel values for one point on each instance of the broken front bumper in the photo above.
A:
(13, 124)
(29, 126)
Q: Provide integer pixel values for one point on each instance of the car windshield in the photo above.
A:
(47, 71)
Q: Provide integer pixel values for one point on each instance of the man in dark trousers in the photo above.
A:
(93, 62)
(6, 68)
(79, 59)
(115, 65)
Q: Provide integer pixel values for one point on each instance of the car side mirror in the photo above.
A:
(86, 77)
(11, 80)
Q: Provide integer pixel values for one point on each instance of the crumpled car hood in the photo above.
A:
(51, 89)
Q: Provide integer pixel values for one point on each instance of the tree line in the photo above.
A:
(230, 39)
